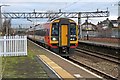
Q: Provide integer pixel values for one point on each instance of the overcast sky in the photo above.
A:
(64, 5)
(58, 0)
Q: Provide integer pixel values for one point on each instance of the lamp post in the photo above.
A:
(79, 26)
(0, 34)
(33, 26)
(87, 29)
(1, 14)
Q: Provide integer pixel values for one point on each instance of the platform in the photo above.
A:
(114, 45)
(62, 67)
(59, 70)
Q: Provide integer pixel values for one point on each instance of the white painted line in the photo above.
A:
(77, 75)
(79, 66)
(69, 61)
(50, 68)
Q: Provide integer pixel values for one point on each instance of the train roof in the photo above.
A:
(56, 20)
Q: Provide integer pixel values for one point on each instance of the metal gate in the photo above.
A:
(13, 45)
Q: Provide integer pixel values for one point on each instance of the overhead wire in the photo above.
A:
(64, 8)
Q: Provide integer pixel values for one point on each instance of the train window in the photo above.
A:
(47, 32)
(55, 29)
(72, 29)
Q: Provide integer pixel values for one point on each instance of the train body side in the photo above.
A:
(40, 33)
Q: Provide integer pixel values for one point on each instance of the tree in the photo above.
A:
(6, 29)
(110, 25)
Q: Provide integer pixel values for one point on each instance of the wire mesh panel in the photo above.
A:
(13, 45)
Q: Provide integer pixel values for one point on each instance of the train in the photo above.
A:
(59, 35)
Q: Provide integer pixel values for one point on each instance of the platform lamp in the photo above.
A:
(33, 26)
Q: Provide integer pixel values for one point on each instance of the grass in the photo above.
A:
(23, 66)
(0, 66)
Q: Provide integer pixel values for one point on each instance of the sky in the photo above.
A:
(55, 5)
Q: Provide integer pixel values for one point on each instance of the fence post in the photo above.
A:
(26, 44)
(0, 46)
(4, 46)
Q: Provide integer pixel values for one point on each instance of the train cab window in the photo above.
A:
(55, 29)
(72, 29)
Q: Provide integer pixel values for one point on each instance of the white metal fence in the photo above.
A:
(13, 45)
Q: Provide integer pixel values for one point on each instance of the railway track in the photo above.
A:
(101, 55)
(93, 69)
(104, 75)
(98, 72)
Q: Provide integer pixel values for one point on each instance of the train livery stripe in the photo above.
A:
(59, 70)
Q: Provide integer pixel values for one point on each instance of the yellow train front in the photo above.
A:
(63, 36)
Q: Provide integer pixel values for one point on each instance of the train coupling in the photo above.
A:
(65, 49)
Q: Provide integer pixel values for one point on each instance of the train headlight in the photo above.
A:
(73, 38)
(54, 39)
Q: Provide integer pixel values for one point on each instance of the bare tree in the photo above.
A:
(6, 29)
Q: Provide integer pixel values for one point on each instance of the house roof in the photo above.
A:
(93, 27)
(88, 23)
(114, 21)
(107, 20)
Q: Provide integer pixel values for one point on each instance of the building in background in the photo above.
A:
(88, 29)
(108, 28)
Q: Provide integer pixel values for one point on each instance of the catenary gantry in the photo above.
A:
(22, 15)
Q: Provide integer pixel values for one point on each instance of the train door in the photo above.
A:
(64, 35)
